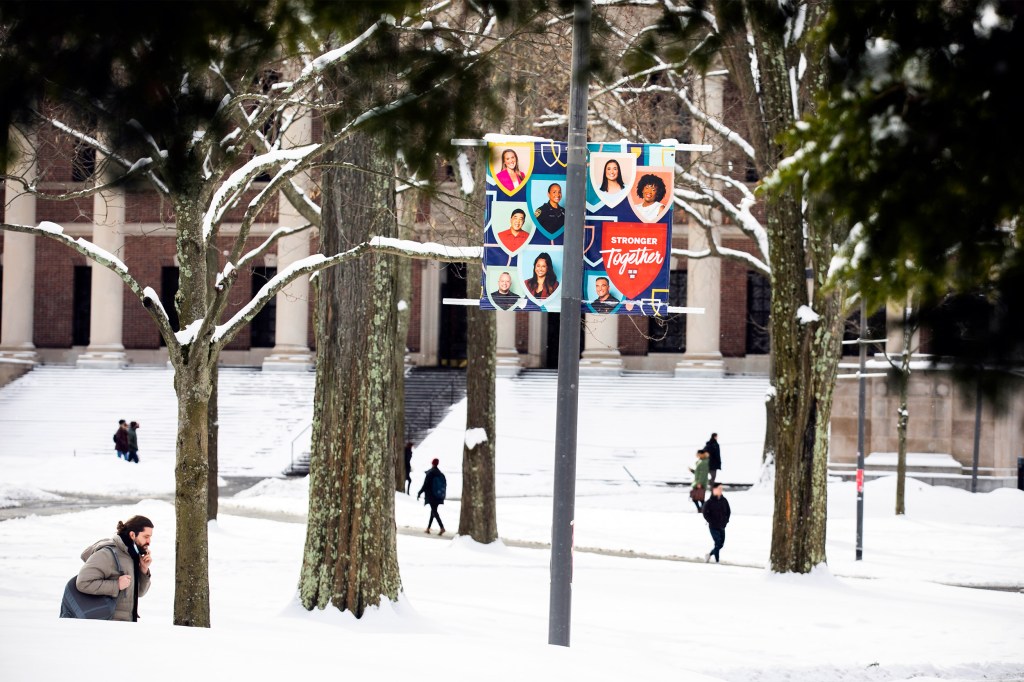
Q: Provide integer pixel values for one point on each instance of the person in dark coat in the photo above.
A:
(133, 442)
(429, 492)
(716, 513)
(121, 439)
(408, 467)
(714, 457)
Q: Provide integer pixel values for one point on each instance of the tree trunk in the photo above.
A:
(350, 558)
(478, 517)
(192, 385)
(213, 430)
(904, 416)
(805, 353)
(192, 583)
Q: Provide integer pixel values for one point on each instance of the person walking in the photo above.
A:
(434, 489)
(714, 457)
(100, 574)
(716, 513)
(698, 490)
(121, 439)
(408, 467)
(133, 442)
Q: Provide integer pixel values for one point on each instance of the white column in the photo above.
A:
(536, 339)
(430, 312)
(106, 312)
(19, 263)
(291, 332)
(506, 353)
(703, 356)
(601, 345)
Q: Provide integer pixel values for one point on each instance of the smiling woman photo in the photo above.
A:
(510, 176)
(651, 190)
(544, 281)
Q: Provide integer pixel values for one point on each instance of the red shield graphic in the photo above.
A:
(634, 254)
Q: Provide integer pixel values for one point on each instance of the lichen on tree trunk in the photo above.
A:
(192, 585)
(478, 515)
(805, 352)
(350, 559)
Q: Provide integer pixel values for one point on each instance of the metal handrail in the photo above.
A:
(307, 428)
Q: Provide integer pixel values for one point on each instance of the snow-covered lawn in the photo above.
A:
(472, 612)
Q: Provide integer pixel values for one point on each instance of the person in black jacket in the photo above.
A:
(408, 467)
(714, 457)
(716, 513)
(434, 494)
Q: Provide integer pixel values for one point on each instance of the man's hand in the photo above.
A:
(144, 561)
(123, 582)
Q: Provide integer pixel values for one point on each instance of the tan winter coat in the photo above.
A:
(99, 575)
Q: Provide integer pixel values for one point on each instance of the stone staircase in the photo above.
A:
(429, 394)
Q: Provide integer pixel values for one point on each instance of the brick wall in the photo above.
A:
(633, 334)
(145, 258)
(54, 292)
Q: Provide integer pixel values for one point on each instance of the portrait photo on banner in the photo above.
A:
(548, 210)
(611, 176)
(511, 165)
(651, 193)
(510, 226)
(505, 288)
(599, 292)
(540, 271)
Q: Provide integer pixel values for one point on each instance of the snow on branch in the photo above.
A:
(741, 214)
(232, 188)
(466, 174)
(727, 133)
(317, 262)
(140, 166)
(427, 250)
(108, 260)
(340, 54)
(270, 241)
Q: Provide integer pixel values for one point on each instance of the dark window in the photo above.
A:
(759, 305)
(168, 289)
(668, 334)
(554, 334)
(83, 165)
(751, 174)
(875, 330)
(454, 326)
(263, 325)
(81, 305)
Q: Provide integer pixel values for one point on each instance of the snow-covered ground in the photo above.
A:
(474, 612)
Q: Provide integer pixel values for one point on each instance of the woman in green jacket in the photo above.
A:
(700, 480)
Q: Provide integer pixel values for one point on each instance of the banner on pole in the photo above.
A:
(627, 229)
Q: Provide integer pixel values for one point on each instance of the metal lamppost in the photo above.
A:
(567, 402)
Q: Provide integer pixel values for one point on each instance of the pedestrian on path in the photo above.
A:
(716, 513)
(101, 575)
(408, 467)
(698, 490)
(434, 489)
(714, 457)
(133, 442)
(121, 439)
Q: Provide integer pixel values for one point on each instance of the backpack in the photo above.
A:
(438, 487)
(78, 604)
